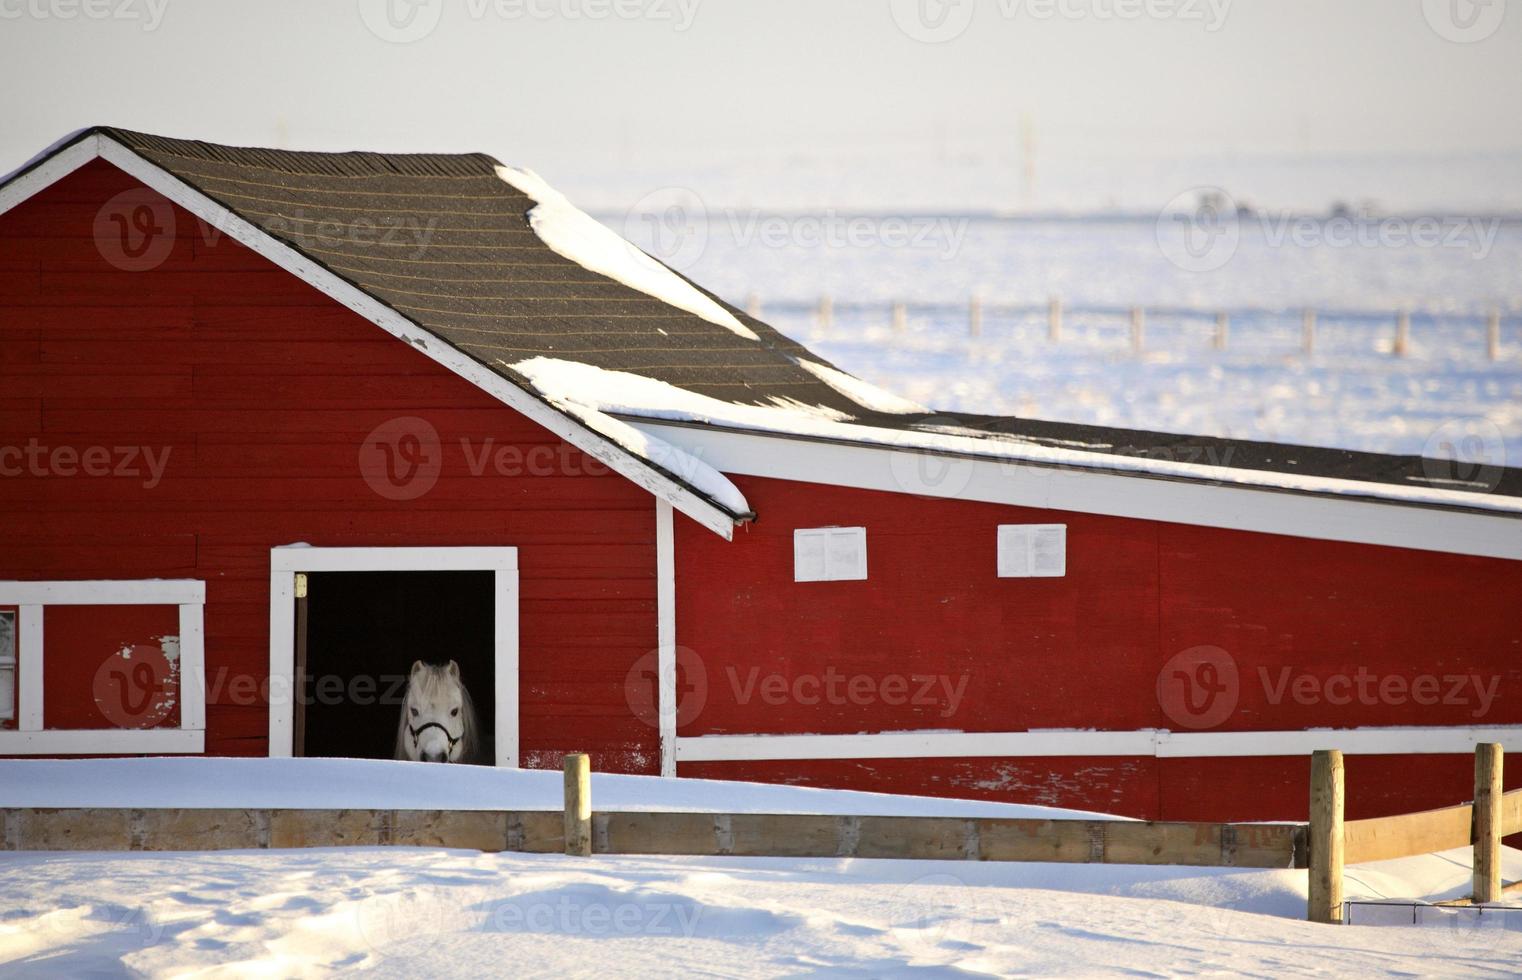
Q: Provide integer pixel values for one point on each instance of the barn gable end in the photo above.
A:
(259, 395)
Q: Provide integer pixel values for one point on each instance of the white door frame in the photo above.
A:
(286, 561)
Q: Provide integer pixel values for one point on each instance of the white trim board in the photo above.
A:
(1117, 494)
(1140, 743)
(105, 741)
(288, 560)
(638, 470)
(665, 606)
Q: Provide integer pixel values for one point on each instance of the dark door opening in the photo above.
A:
(363, 630)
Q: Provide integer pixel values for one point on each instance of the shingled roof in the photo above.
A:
(449, 244)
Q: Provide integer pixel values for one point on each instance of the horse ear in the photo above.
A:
(417, 667)
(454, 670)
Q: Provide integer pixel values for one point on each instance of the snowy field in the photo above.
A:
(410, 912)
(1350, 392)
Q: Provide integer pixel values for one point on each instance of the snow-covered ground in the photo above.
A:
(411, 912)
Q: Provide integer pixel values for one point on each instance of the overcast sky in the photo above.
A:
(588, 86)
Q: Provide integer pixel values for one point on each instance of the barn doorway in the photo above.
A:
(357, 639)
(346, 625)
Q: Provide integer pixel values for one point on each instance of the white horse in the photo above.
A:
(438, 722)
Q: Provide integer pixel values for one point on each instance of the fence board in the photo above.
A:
(739, 834)
(1383, 838)
(1511, 812)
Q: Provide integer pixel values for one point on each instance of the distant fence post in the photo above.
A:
(753, 305)
(578, 805)
(1493, 335)
(1222, 328)
(1402, 332)
(1487, 822)
(1138, 328)
(975, 316)
(900, 316)
(1324, 894)
(1308, 331)
(826, 309)
(1054, 319)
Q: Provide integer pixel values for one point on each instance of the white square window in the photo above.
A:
(1033, 550)
(829, 554)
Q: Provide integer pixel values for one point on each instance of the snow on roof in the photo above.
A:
(620, 393)
(576, 235)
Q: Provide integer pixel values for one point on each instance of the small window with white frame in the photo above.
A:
(8, 668)
(1032, 550)
(829, 554)
(102, 667)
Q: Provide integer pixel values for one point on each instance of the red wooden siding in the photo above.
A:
(261, 391)
(1085, 650)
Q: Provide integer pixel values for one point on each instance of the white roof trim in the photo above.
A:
(617, 458)
(1359, 520)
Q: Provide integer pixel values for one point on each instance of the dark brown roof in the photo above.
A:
(444, 241)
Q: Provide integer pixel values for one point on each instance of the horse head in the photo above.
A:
(438, 720)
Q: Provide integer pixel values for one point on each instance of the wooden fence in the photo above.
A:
(1480, 824)
(824, 313)
(1323, 845)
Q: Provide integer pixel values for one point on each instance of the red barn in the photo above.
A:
(275, 424)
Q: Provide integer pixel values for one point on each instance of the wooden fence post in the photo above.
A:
(753, 305)
(826, 310)
(1222, 328)
(1402, 332)
(578, 805)
(975, 316)
(900, 317)
(1493, 335)
(1324, 895)
(1487, 823)
(1138, 328)
(1054, 319)
(1308, 331)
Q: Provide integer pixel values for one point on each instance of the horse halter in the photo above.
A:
(418, 731)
